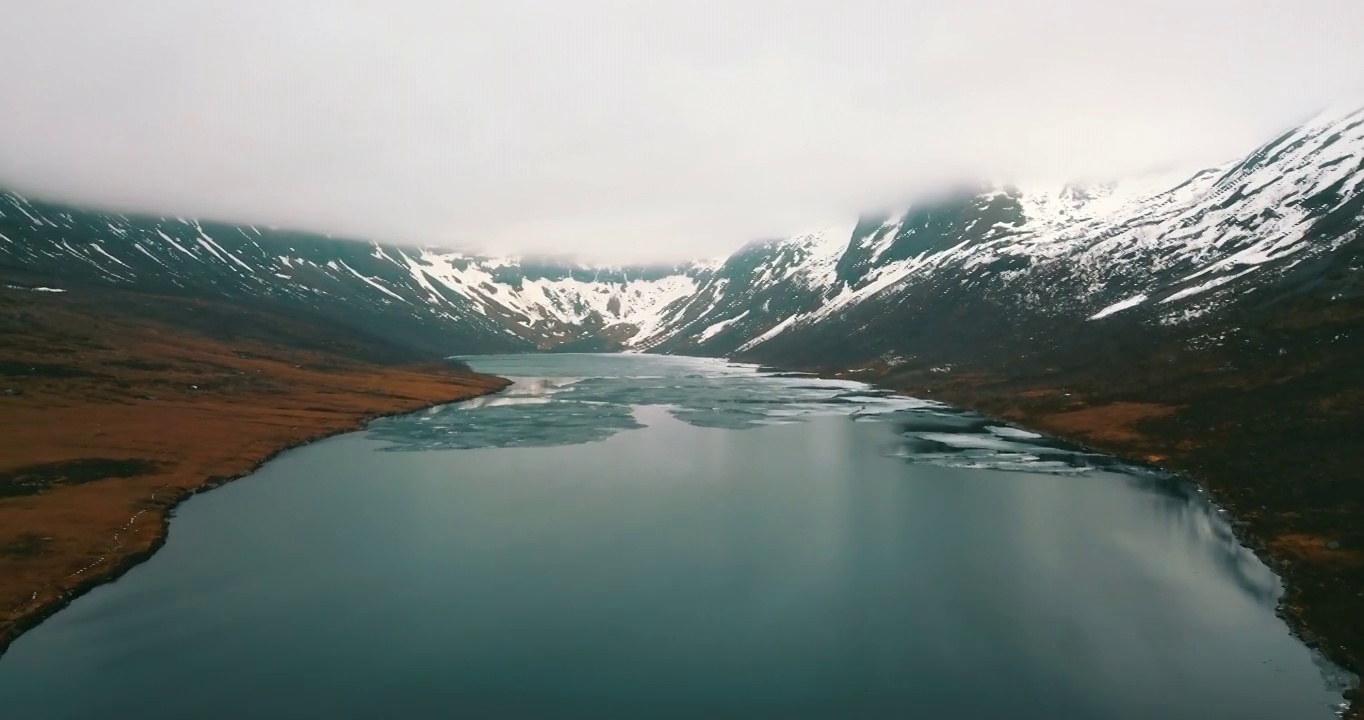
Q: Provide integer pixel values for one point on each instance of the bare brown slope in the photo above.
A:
(115, 406)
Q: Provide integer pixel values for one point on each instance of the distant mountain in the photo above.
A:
(978, 272)
(439, 301)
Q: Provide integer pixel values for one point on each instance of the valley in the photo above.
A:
(1209, 323)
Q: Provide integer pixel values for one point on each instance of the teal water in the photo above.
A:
(630, 537)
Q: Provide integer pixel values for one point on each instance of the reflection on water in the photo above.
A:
(626, 537)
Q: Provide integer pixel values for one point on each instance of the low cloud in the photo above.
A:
(619, 130)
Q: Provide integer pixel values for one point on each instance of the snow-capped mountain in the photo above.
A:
(980, 265)
(441, 300)
(1001, 261)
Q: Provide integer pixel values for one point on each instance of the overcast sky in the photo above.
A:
(621, 130)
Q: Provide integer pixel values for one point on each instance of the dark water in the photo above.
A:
(627, 537)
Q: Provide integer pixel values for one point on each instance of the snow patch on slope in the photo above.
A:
(1119, 306)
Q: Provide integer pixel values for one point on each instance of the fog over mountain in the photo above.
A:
(629, 131)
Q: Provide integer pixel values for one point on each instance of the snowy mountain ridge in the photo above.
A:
(1180, 247)
(1170, 249)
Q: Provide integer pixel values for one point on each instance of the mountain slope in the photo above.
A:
(438, 301)
(983, 264)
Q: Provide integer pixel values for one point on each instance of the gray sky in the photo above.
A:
(621, 130)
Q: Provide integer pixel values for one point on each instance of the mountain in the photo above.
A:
(1007, 267)
(990, 269)
(435, 301)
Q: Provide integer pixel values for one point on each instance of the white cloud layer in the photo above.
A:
(624, 130)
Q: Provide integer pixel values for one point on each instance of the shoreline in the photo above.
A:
(1124, 435)
(33, 616)
(1292, 614)
(116, 406)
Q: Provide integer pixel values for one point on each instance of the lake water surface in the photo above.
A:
(638, 537)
